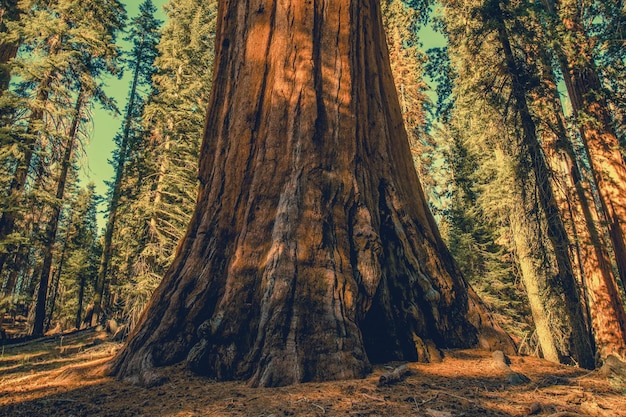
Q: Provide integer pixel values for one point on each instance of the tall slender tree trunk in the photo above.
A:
(19, 258)
(606, 311)
(582, 348)
(546, 306)
(9, 217)
(56, 281)
(81, 295)
(311, 252)
(53, 224)
(115, 199)
(8, 50)
(576, 59)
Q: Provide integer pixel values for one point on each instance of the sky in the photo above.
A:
(95, 167)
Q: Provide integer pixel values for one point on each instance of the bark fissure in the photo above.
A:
(281, 264)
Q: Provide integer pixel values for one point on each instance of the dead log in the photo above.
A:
(394, 376)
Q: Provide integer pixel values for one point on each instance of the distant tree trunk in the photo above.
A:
(56, 280)
(81, 297)
(53, 224)
(581, 344)
(19, 260)
(585, 93)
(115, 201)
(311, 253)
(8, 50)
(7, 221)
(606, 311)
(546, 305)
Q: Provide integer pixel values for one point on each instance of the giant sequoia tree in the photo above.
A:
(311, 252)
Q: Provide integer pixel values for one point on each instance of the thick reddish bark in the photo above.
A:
(604, 304)
(576, 59)
(311, 253)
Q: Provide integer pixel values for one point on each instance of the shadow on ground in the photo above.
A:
(465, 384)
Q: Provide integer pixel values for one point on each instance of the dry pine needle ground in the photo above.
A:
(65, 377)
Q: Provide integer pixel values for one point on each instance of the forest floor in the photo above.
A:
(64, 376)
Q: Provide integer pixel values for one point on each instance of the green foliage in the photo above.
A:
(129, 159)
(65, 47)
(81, 252)
(479, 132)
(157, 207)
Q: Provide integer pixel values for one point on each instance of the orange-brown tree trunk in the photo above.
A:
(582, 348)
(605, 308)
(576, 58)
(8, 12)
(311, 252)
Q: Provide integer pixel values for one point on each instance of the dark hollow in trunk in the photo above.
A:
(311, 252)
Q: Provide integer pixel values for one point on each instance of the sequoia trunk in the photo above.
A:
(311, 252)
(576, 59)
(605, 308)
(582, 348)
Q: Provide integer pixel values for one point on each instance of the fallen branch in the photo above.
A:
(394, 376)
(382, 400)
(456, 396)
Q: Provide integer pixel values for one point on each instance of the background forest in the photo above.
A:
(516, 123)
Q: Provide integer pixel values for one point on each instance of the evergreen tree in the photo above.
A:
(477, 231)
(144, 35)
(57, 40)
(479, 29)
(9, 11)
(78, 264)
(93, 57)
(597, 276)
(174, 120)
(311, 252)
(576, 56)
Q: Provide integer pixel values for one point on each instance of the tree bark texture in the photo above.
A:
(599, 282)
(50, 235)
(8, 50)
(582, 348)
(576, 59)
(545, 306)
(311, 252)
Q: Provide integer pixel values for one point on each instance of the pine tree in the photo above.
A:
(144, 36)
(94, 57)
(174, 121)
(9, 11)
(476, 229)
(480, 29)
(577, 60)
(598, 279)
(77, 274)
(53, 41)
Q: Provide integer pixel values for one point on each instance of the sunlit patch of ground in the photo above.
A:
(42, 379)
